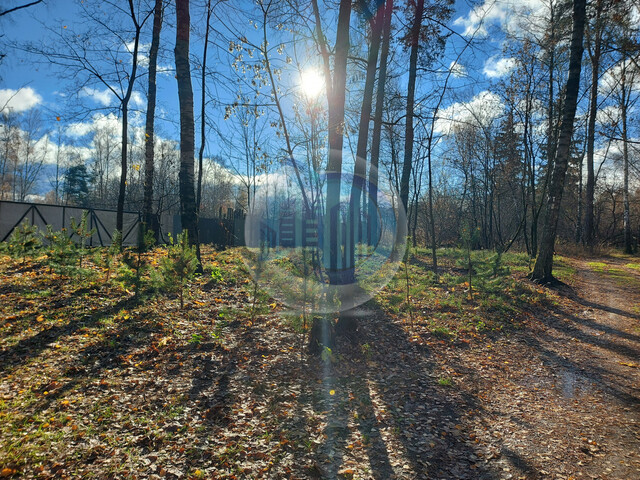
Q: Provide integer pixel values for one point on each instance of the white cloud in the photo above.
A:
(610, 80)
(608, 114)
(505, 14)
(104, 97)
(496, 67)
(19, 100)
(143, 49)
(457, 69)
(98, 122)
(481, 109)
(137, 99)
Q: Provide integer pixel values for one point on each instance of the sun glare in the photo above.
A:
(311, 83)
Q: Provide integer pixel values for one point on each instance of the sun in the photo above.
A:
(311, 83)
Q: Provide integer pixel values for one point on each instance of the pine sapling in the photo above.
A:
(24, 241)
(82, 231)
(179, 266)
(62, 250)
(107, 259)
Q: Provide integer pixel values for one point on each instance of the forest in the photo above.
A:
(364, 239)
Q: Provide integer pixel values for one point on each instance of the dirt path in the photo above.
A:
(561, 399)
(557, 399)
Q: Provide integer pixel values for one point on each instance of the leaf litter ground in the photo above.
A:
(94, 384)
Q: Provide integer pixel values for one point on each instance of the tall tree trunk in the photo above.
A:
(411, 90)
(188, 215)
(203, 118)
(124, 105)
(150, 220)
(360, 167)
(589, 231)
(336, 102)
(543, 269)
(626, 92)
(372, 214)
(579, 230)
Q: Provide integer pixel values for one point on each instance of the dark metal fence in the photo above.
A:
(227, 230)
(12, 214)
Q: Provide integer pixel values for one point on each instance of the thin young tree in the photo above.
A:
(414, 42)
(360, 168)
(376, 134)
(203, 104)
(594, 50)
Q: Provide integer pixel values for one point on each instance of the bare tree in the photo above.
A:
(96, 56)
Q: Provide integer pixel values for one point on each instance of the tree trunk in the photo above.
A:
(372, 214)
(336, 102)
(203, 110)
(124, 104)
(150, 220)
(589, 232)
(411, 90)
(187, 126)
(360, 167)
(626, 92)
(543, 269)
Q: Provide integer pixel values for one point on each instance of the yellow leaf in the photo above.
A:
(632, 365)
(40, 318)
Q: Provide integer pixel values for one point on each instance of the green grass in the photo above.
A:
(445, 382)
(451, 308)
(620, 276)
(597, 266)
(562, 270)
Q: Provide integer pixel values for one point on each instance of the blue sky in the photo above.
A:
(44, 86)
(32, 84)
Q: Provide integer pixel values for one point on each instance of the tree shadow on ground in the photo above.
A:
(30, 347)
(590, 367)
(387, 398)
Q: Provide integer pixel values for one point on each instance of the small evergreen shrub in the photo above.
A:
(179, 267)
(106, 258)
(134, 272)
(83, 233)
(24, 241)
(61, 251)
